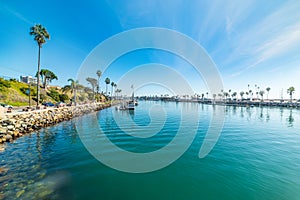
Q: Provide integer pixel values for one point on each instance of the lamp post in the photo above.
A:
(28, 93)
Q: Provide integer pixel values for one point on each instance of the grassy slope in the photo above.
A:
(14, 96)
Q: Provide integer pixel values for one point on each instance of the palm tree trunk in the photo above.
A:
(38, 78)
(93, 93)
(111, 95)
(45, 82)
(75, 96)
(98, 88)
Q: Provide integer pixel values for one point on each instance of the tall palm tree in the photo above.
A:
(226, 95)
(112, 89)
(234, 95)
(99, 74)
(220, 95)
(290, 91)
(73, 86)
(93, 83)
(115, 86)
(242, 94)
(117, 91)
(202, 96)
(107, 81)
(261, 93)
(214, 96)
(40, 35)
(268, 90)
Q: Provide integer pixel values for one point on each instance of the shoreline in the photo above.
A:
(17, 124)
(247, 103)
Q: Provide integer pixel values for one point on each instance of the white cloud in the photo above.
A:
(275, 35)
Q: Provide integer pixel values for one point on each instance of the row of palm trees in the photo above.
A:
(259, 93)
(96, 84)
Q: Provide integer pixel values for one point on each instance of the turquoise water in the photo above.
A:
(256, 157)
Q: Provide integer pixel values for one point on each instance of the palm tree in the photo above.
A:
(73, 86)
(47, 76)
(107, 81)
(261, 93)
(290, 91)
(220, 95)
(112, 88)
(66, 89)
(99, 73)
(242, 94)
(207, 95)
(214, 96)
(115, 86)
(202, 96)
(118, 91)
(40, 35)
(93, 83)
(233, 95)
(268, 90)
(226, 95)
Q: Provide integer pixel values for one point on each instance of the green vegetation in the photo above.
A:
(13, 92)
(47, 76)
(4, 84)
(56, 96)
(21, 94)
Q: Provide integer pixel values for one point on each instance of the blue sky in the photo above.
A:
(251, 42)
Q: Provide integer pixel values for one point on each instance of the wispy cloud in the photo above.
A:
(277, 34)
(18, 15)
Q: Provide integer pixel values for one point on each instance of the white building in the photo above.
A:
(28, 79)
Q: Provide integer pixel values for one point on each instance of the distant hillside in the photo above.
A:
(14, 93)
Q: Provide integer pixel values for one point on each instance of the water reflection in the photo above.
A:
(290, 119)
(263, 114)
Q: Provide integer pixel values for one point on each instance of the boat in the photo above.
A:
(126, 106)
(131, 105)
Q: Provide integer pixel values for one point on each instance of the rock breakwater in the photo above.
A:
(15, 125)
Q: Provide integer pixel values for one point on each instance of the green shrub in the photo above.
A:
(54, 95)
(32, 91)
(4, 84)
(81, 98)
(63, 97)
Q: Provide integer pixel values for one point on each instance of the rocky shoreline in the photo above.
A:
(16, 125)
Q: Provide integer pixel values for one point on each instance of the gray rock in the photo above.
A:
(2, 130)
(11, 127)
(8, 137)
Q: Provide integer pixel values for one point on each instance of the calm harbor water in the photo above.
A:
(256, 157)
